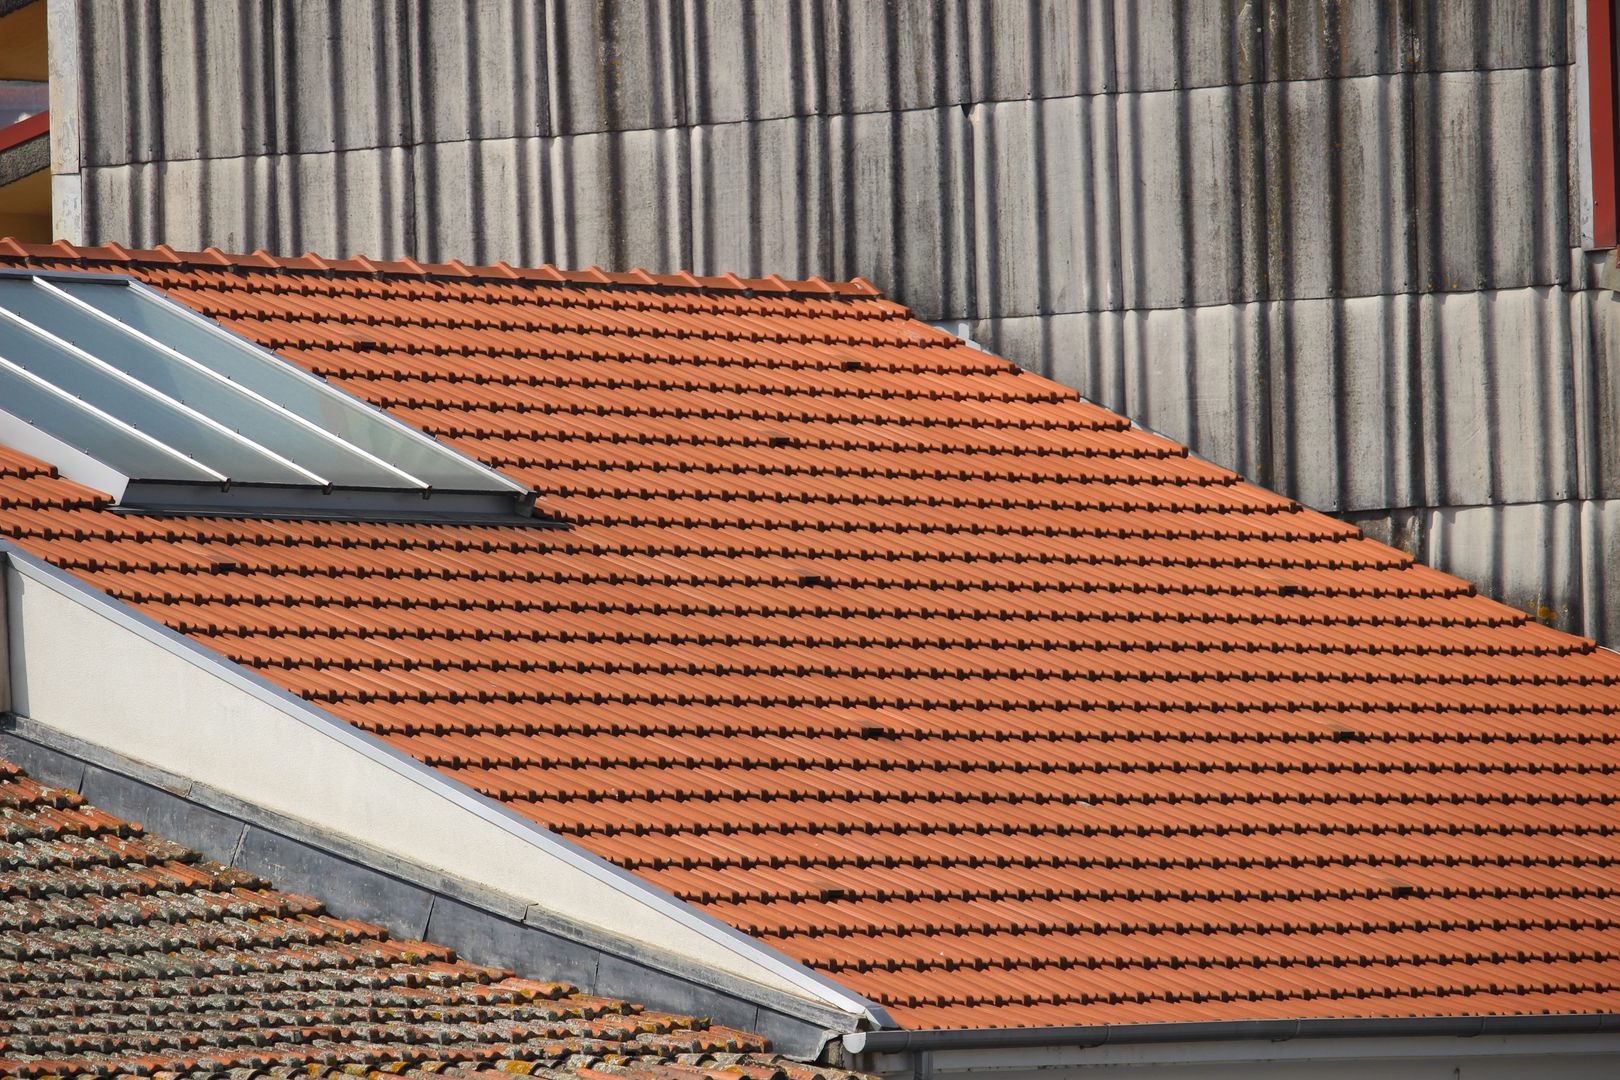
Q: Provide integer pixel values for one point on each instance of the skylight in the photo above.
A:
(124, 390)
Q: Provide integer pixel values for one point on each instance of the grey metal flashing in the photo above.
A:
(851, 1008)
(5, 648)
(412, 901)
(65, 275)
(304, 503)
(1094, 1035)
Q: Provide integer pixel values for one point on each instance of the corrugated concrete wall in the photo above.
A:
(1330, 243)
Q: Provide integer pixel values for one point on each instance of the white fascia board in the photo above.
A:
(98, 671)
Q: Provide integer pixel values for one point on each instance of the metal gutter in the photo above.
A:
(1094, 1035)
(817, 987)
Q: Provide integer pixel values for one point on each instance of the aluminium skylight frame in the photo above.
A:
(130, 392)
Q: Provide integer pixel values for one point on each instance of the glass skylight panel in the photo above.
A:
(187, 416)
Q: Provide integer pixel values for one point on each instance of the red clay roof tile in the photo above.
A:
(916, 666)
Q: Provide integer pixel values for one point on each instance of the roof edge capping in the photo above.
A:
(1089, 1036)
(163, 257)
(818, 989)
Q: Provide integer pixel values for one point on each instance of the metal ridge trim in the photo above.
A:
(1093, 1035)
(815, 985)
(162, 257)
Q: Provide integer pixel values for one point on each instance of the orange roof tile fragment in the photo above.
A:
(917, 667)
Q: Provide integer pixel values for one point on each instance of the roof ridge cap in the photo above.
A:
(309, 262)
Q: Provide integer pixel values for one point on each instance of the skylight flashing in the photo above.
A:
(123, 389)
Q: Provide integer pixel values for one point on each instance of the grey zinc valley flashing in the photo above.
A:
(855, 1011)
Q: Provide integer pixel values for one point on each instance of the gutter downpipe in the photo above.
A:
(1094, 1035)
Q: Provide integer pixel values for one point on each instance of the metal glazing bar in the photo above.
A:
(381, 416)
(110, 420)
(233, 385)
(142, 388)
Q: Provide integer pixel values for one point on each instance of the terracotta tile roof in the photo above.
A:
(126, 954)
(948, 683)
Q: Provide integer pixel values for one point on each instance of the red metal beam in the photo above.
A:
(1600, 94)
(25, 129)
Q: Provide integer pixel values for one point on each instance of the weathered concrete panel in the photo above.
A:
(1344, 422)
(614, 66)
(878, 195)
(1353, 404)
(761, 198)
(1465, 35)
(178, 80)
(352, 202)
(1155, 200)
(1168, 44)
(479, 70)
(1491, 158)
(1039, 48)
(897, 215)
(1596, 350)
(1187, 198)
(1498, 397)
(618, 199)
(1046, 199)
(1554, 561)
(1337, 199)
